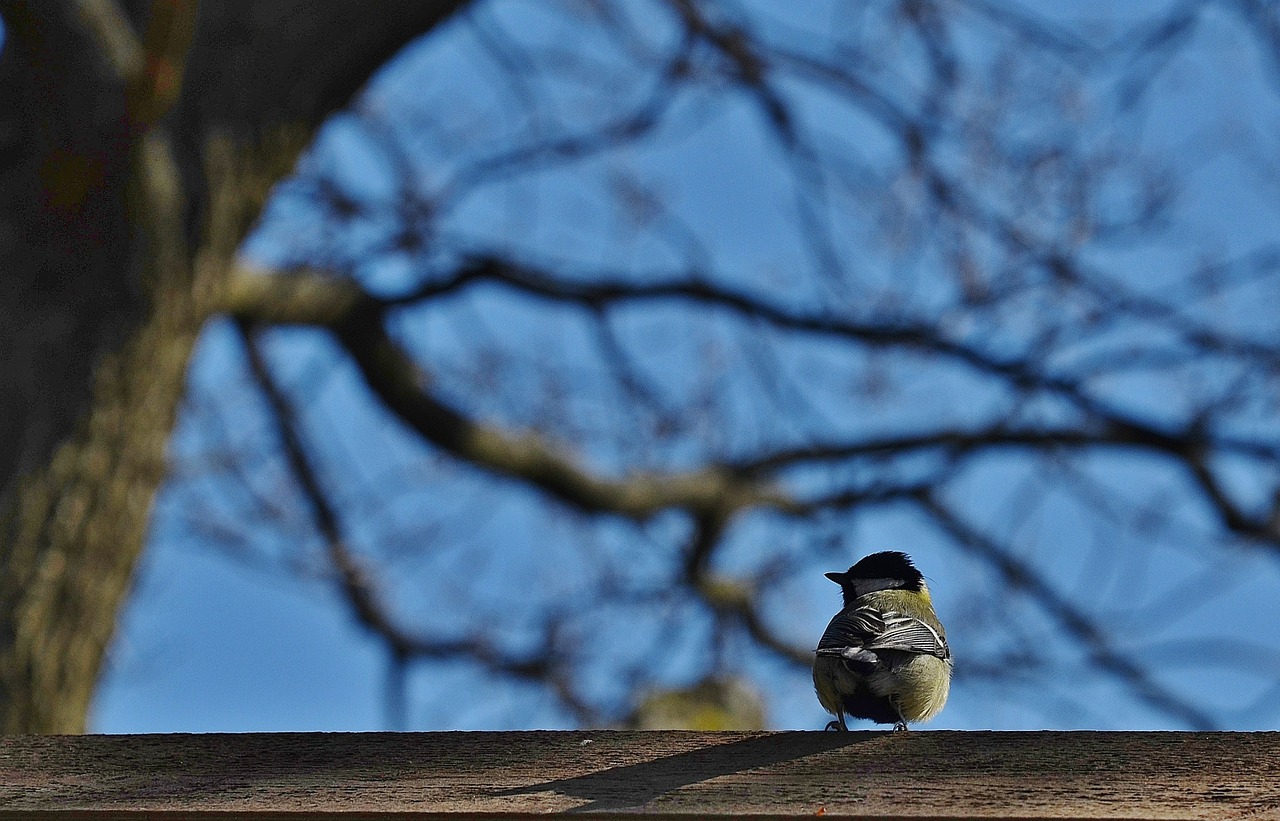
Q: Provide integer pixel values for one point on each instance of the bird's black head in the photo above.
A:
(889, 570)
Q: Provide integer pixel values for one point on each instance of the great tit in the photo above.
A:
(884, 657)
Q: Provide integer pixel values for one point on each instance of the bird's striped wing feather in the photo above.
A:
(869, 628)
(852, 628)
(910, 635)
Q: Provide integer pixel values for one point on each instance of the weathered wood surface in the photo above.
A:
(919, 774)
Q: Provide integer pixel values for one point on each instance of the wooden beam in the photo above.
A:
(919, 774)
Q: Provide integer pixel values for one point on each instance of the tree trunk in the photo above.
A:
(115, 248)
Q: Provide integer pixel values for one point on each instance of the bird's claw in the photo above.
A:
(833, 725)
(900, 727)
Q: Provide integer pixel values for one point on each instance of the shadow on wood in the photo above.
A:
(633, 785)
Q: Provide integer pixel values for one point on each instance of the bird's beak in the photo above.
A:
(838, 578)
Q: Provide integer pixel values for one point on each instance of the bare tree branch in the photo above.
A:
(363, 593)
(1020, 576)
(356, 320)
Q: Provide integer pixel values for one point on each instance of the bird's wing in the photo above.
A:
(909, 634)
(852, 628)
(869, 628)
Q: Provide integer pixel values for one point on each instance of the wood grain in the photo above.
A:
(919, 774)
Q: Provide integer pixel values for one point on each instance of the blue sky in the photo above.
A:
(245, 633)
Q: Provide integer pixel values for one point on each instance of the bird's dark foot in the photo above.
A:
(900, 727)
(833, 725)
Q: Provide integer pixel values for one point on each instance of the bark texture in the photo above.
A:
(137, 144)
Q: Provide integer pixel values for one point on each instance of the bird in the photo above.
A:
(884, 657)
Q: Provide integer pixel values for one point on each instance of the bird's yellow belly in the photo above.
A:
(920, 687)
